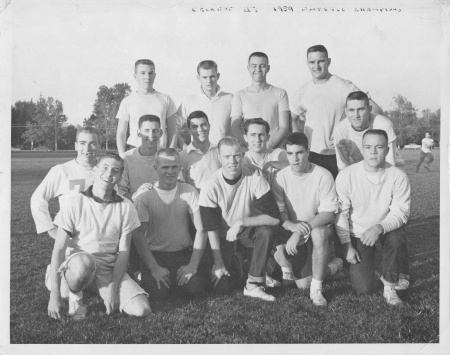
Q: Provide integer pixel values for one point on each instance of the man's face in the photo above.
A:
(199, 129)
(297, 156)
(427, 135)
(208, 79)
(256, 138)
(108, 172)
(150, 133)
(231, 159)
(167, 167)
(358, 112)
(258, 67)
(318, 64)
(375, 149)
(145, 76)
(86, 146)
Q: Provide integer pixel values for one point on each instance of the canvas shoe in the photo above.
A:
(317, 298)
(391, 297)
(271, 282)
(258, 292)
(77, 309)
(402, 284)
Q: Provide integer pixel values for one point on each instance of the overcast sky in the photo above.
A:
(67, 49)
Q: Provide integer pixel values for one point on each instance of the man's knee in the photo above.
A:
(321, 236)
(395, 239)
(138, 306)
(264, 232)
(79, 272)
(195, 287)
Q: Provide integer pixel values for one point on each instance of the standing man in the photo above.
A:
(321, 103)
(425, 152)
(145, 101)
(307, 200)
(139, 166)
(210, 99)
(199, 159)
(374, 199)
(239, 210)
(169, 257)
(95, 228)
(349, 132)
(65, 179)
(263, 100)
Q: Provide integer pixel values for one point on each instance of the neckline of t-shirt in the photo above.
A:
(260, 92)
(382, 174)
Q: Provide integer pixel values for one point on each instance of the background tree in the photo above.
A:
(404, 118)
(48, 117)
(21, 113)
(67, 137)
(105, 110)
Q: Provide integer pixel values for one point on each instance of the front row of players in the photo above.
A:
(239, 212)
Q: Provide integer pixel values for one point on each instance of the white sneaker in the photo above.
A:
(77, 309)
(271, 282)
(391, 296)
(402, 284)
(317, 298)
(258, 292)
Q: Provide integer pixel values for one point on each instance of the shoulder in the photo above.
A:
(129, 153)
(381, 120)
(322, 173)
(240, 93)
(396, 172)
(186, 188)
(212, 182)
(278, 91)
(341, 127)
(348, 171)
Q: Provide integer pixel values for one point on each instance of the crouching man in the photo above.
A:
(169, 258)
(94, 233)
(238, 210)
(374, 199)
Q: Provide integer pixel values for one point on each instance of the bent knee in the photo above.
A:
(265, 231)
(321, 235)
(80, 269)
(138, 306)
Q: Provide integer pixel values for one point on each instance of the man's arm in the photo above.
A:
(283, 130)
(121, 136)
(55, 304)
(236, 129)
(218, 270)
(160, 274)
(172, 136)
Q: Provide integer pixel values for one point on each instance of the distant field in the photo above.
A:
(232, 318)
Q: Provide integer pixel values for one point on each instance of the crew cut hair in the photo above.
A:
(296, 138)
(317, 48)
(149, 118)
(358, 96)
(111, 155)
(144, 62)
(88, 129)
(206, 64)
(258, 121)
(229, 141)
(258, 54)
(168, 152)
(376, 132)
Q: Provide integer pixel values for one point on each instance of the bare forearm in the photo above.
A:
(121, 142)
(144, 249)
(277, 137)
(321, 219)
(261, 220)
(120, 267)
(214, 241)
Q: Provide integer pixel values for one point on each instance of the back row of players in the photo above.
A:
(247, 208)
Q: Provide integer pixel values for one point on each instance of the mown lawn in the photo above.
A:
(232, 318)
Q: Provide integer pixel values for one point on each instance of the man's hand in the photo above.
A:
(185, 274)
(291, 245)
(111, 299)
(301, 227)
(217, 272)
(234, 231)
(371, 235)
(144, 187)
(161, 274)
(55, 306)
(351, 254)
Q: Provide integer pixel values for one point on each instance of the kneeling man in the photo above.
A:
(169, 258)
(374, 199)
(94, 233)
(237, 206)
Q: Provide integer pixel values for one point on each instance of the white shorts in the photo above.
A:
(100, 280)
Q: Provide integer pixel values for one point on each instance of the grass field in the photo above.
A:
(232, 318)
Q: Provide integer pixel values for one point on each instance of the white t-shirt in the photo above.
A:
(235, 201)
(427, 143)
(345, 135)
(218, 110)
(197, 167)
(322, 106)
(61, 181)
(271, 155)
(133, 107)
(96, 227)
(137, 170)
(367, 199)
(266, 105)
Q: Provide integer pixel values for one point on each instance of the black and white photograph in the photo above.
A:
(267, 177)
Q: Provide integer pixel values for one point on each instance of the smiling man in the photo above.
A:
(65, 179)
(374, 199)
(321, 103)
(349, 132)
(95, 228)
(169, 258)
(145, 101)
(263, 100)
(211, 100)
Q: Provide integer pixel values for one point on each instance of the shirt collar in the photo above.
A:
(219, 90)
(115, 198)
(191, 147)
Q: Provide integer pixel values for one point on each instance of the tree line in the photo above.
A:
(42, 124)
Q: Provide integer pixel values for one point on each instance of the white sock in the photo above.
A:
(315, 284)
(386, 283)
(75, 296)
